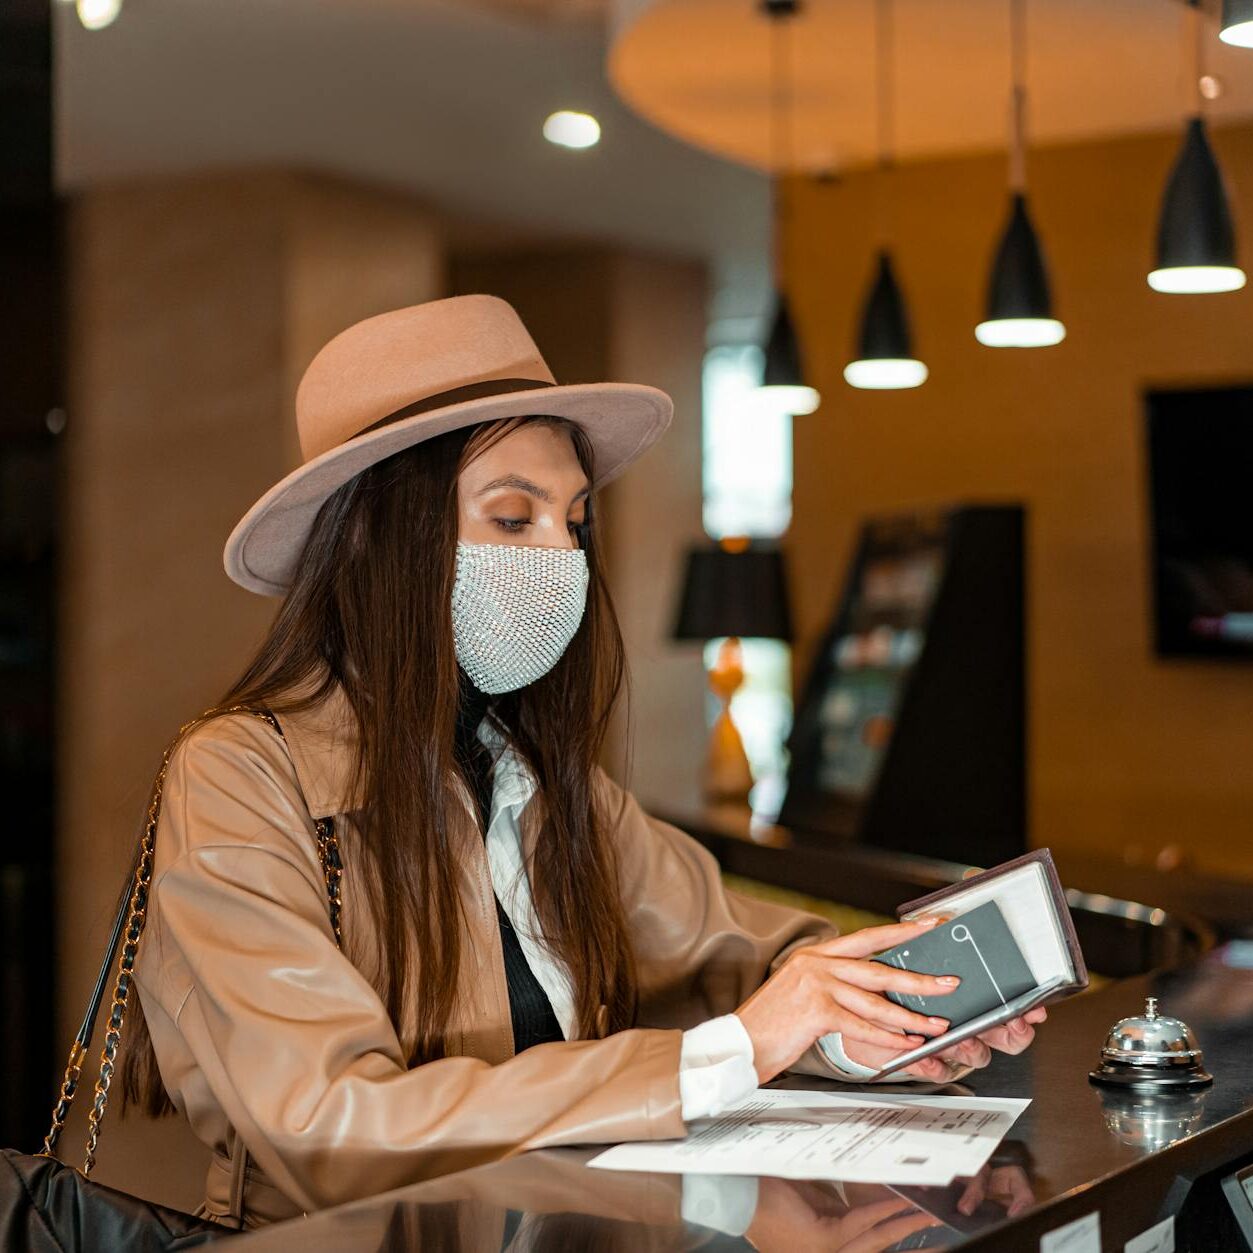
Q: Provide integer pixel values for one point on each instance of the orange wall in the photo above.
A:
(1125, 750)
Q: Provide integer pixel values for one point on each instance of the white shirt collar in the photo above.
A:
(513, 784)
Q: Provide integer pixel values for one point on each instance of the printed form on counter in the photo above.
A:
(880, 1138)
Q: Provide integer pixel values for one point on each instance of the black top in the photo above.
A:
(529, 1007)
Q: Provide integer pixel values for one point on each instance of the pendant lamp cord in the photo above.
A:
(780, 16)
(1196, 57)
(1018, 95)
(885, 108)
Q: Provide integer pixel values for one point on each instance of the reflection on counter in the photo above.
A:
(1151, 1121)
(474, 1214)
(1119, 1153)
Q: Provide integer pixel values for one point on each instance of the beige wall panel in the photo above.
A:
(195, 305)
(174, 420)
(658, 318)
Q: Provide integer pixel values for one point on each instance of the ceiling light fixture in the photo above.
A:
(570, 129)
(885, 355)
(783, 384)
(97, 14)
(1019, 308)
(1196, 238)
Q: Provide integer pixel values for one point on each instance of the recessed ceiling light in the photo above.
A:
(97, 14)
(571, 130)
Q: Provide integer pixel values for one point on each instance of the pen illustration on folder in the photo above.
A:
(961, 935)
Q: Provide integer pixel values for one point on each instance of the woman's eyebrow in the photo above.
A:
(521, 484)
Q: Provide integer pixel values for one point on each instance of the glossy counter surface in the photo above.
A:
(1075, 1150)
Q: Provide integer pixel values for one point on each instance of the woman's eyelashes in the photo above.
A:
(513, 526)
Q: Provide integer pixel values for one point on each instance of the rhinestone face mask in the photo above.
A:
(515, 607)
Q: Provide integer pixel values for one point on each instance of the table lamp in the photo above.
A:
(734, 588)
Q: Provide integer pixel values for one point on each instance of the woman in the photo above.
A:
(527, 958)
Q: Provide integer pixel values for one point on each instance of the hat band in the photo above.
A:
(455, 395)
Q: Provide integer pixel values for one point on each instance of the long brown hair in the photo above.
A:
(369, 608)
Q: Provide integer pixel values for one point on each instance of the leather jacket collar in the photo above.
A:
(323, 743)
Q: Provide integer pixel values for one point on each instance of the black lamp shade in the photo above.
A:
(734, 593)
(1195, 227)
(884, 323)
(1237, 24)
(783, 366)
(1019, 286)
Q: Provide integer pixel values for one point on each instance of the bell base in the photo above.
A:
(1137, 1079)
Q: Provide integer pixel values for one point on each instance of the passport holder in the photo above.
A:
(979, 949)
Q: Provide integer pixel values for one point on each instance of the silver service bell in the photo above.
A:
(1151, 1053)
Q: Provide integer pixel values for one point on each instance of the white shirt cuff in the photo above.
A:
(715, 1067)
(725, 1203)
(832, 1046)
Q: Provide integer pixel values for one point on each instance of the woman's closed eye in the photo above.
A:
(514, 525)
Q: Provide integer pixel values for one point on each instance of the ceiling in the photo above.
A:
(445, 98)
(1095, 68)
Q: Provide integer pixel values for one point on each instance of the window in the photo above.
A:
(747, 490)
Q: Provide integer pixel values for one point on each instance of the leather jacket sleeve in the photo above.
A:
(294, 1045)
(702, 948)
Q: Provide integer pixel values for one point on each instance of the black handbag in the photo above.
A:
(48, 1205)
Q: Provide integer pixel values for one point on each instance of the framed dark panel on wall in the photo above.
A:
(910, 730)
(1200, 450)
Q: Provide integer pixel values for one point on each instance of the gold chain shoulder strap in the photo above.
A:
(127, 929)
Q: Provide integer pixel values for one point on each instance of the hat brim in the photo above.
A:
(621, 419)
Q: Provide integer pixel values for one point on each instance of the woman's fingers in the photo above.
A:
(863, 1218)
(1013, 1037)
(880, 977)
(879, 1009)
(871, 940)
(1010, 1186)
(891, 1233)
(969, 1052)
(931, 1068)
(853, 1027)
(973, 1195)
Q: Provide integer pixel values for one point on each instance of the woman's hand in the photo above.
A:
(796, 1216)
(1012, 1037)
(832, 986)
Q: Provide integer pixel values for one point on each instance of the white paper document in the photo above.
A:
(887, 1138)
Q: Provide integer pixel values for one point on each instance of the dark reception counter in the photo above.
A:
(1116, 1164)
(1076, 1151)
(1130, 919)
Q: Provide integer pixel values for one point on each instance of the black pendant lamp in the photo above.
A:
(885, 358)
(1237, 27)
(1196, 238)
(885, 355)
(783, 387)
(782, 366)
(1019, 306)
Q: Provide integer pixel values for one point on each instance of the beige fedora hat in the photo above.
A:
(394, 380)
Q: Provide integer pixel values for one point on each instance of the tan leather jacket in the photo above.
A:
(266, 1032)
